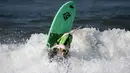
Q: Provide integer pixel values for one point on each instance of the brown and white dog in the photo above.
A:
(61, 50)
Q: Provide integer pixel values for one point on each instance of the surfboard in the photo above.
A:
(62, 22)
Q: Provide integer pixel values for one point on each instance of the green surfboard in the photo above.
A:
(62, 23)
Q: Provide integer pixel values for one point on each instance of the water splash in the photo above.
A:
(92, 51)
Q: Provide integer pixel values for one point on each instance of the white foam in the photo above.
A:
(92, 51)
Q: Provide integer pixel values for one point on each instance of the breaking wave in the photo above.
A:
(92, 51)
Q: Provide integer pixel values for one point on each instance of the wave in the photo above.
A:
(92, 51)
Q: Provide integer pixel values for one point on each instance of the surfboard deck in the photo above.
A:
(62, 23)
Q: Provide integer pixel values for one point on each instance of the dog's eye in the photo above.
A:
(64, 50)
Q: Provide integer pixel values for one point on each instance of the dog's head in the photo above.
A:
(63, 50)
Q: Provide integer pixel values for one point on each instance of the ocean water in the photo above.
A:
(96, 52)
(25, 17)
(102, 45)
